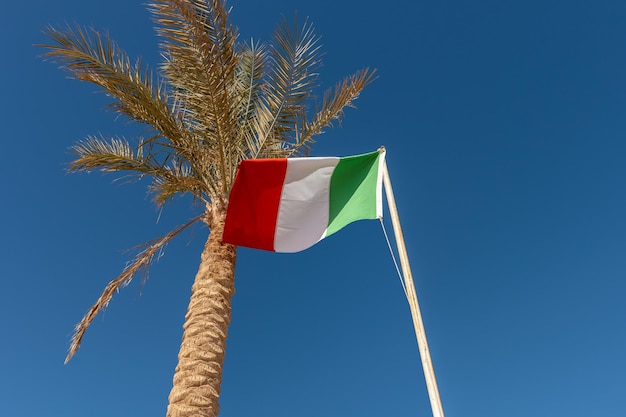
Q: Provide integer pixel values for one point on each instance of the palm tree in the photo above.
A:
(214, 102)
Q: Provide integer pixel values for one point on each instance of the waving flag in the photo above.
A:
(289, 204)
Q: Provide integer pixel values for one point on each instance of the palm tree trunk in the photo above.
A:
(198, 374)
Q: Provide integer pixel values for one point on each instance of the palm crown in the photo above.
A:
(214, 102)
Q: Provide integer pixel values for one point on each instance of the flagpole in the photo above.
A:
(420, 333)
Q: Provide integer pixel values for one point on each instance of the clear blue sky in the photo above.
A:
(505, 125)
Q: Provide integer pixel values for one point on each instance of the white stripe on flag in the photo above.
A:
(303, 212)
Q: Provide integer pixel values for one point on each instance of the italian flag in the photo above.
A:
(289, 204)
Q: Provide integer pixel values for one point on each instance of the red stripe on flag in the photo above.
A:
(253, 204)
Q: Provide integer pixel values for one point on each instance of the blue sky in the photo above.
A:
(505, 127)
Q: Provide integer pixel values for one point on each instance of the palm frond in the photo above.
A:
(93, 57)
(140, 263)
(113, 155)
(180, 179)
(294, 59)
(253, 60)
(334, 102)
(110, 155)
(199, 48)
(248, 94)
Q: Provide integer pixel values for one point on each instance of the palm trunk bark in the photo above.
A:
(198, 374)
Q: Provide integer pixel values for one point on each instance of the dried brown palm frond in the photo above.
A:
(170, 176)
(111, 155)
(200, 62)
(248, 91)
(90, 56)
(291, 79)
(93, 57)
(141, 263)
(335, 101)
(179, 180)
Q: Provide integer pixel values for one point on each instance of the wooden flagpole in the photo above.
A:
(420, 333)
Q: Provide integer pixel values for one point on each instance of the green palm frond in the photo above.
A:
(140, 263)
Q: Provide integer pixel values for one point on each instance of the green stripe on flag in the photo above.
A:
(353, 191)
